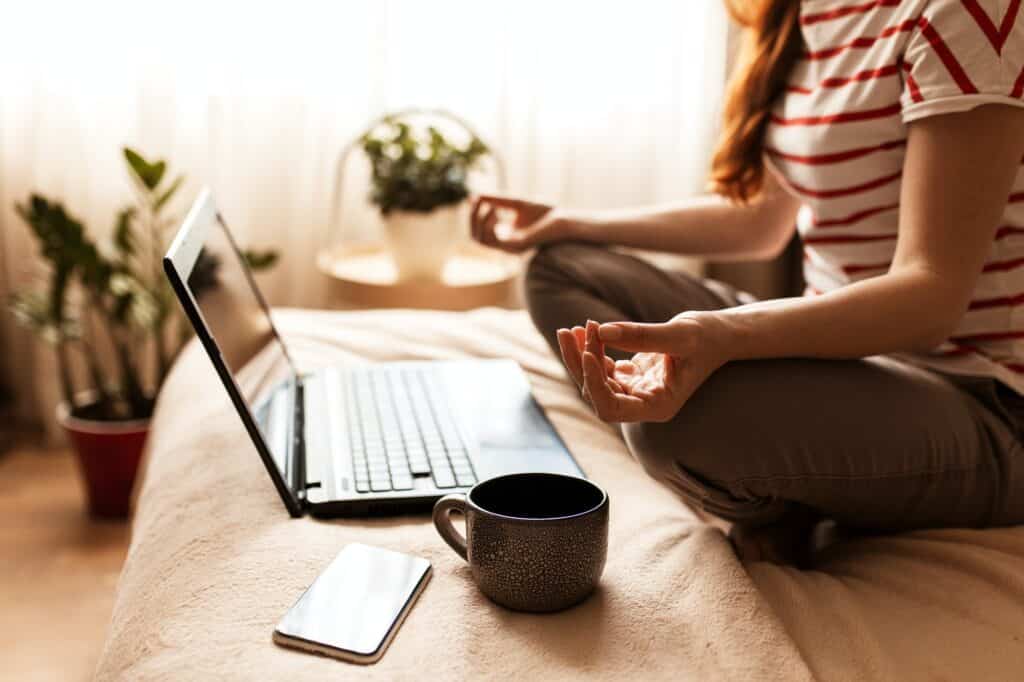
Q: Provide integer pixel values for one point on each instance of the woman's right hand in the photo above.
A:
(532, 225)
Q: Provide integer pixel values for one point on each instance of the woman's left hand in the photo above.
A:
(672, 360)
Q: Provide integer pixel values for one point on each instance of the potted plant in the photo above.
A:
(109, 311)
(419, 180)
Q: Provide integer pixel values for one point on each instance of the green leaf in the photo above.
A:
(260, 260)
(204, 273)
(124, 235)
(149, 173)
(134, 303)
(168, 193)
(32, 310)
(418, 170)
(159, 168)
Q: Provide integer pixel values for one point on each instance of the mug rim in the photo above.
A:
(533, 519)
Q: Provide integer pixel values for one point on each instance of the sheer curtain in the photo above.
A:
(591, 104)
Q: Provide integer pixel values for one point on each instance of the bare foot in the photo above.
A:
(787, 541)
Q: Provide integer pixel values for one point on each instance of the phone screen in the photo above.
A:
(356, 602)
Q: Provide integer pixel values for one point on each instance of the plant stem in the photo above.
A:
(58, 292)
(88, 350)
(162, 359)
(131, 387)
(159, 343)
(64, 372)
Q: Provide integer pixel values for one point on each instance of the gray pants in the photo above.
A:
(873, 443)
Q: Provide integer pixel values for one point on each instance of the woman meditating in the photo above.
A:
(890, 135)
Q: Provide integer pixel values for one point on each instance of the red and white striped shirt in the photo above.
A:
(838, 136)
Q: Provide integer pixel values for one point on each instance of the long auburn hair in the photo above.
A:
(772, 44)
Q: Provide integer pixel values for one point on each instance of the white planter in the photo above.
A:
(420, 243)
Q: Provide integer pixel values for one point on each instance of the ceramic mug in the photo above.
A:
(534, 542)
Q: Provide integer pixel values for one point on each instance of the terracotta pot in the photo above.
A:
(420, 243)
(108, 457)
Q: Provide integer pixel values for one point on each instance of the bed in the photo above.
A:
(215, 560)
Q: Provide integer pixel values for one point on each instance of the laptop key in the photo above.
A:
(379, 485)
(465, 480)
(401, 482)
(419, 467)
(444, 478)
(362, 486)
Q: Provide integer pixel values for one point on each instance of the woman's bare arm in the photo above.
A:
(709, 227)
(957, 175)
(959, 171)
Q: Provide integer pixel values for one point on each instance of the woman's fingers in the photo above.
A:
(664, 337)
(573, 343)
(505, 202)
(609, 405)
(592, 346)
(580, 335)
(626, 367)
(596, 385)
(483, 219)
(593, 340)
(516, 239)
(526, 230)
(487, 223)
(571, 355)
(527, 212)
(474, 218)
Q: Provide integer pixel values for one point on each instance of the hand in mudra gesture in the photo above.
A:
(525, 224)
(672, 360)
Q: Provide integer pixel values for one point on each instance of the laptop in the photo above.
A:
(358, 438)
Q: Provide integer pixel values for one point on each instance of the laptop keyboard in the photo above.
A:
(400, 429)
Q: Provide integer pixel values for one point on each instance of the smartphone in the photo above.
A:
(353, 609)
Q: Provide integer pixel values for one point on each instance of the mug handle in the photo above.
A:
(443, 521)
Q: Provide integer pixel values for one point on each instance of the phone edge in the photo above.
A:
(287, 641)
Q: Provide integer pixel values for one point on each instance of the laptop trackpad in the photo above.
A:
(520, 439)
(493, 399)
(497, 462)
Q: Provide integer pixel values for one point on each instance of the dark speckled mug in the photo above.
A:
(534, 542)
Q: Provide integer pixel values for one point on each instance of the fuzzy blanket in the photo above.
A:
(215, 560)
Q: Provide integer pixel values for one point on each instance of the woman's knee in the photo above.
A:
(704, 446)
(560, 264)
(694, 463)
(653, 447)
(561, 286)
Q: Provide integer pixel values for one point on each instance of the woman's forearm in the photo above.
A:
(906, 311)
(706, 226)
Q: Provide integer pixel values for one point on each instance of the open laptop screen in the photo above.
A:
(234, 311)
(219, 292)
